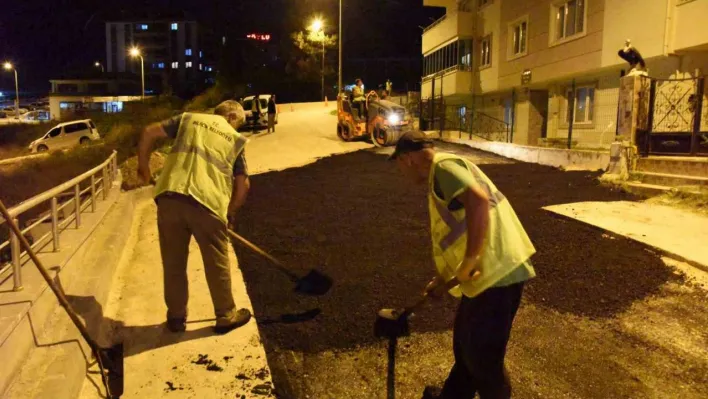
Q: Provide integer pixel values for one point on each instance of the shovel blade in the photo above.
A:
(314, 283)
(112, 360)
(387, 328)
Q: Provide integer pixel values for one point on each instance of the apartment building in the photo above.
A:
(171, 50)
(523, 61)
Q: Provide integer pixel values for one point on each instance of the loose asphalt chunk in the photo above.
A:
(359, 220)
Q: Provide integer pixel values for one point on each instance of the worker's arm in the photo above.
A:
(150, 135)
(241, 186)
(476, 203)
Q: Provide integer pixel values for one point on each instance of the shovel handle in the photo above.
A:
(422, 301)
(42, 270)
(280, 265)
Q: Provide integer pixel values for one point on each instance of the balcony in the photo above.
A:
(456, 82)
(451, 25)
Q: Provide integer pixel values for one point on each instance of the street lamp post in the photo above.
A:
(99, 65)
(339, 85)
(318, 27)
(135, 52)
(8, 66)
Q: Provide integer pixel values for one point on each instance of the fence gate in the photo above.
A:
(678, 118)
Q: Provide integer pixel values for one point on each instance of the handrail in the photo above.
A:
(52, 192)
(435, 23)
(109, 171)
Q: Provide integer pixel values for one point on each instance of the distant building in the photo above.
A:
(70, 96)
(517, 62)
(172, 50)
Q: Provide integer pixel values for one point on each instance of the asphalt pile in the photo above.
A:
(356, 218)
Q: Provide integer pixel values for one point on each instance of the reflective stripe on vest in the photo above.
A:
(201, 161)
(506, 244)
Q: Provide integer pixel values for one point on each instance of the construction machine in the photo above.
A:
(381, 121)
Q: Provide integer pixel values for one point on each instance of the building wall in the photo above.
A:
(548, 60)
(690, 25)
(488, 23)
(454, 24)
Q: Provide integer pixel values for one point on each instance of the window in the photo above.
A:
(75, 127)
(568, 19)
(160, 65)
(508, 110)
(54, 132)
(188, 64)
(465, 54)
(175, 65)
(174, 26)
(518, 38)
(200, 54)
(200, 67)
(485, 52)
(584, 104)
(142, 27)
(456, 55)
(188, 51)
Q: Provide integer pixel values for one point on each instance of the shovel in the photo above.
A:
(110, 360)
(313, 283)
(393, 323)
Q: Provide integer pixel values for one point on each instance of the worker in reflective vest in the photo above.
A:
(478, 240)
(202, 185)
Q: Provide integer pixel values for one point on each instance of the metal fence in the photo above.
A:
(437, 116)
(66, 202)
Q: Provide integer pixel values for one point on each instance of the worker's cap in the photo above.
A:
(411, 142)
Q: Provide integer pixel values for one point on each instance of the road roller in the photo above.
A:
(381, 121)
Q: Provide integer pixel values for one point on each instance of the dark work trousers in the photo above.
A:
(480, 335)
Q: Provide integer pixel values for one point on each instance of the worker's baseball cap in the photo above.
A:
(411, 142)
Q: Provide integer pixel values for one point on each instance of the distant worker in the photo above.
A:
(478, 240)
(203, 184)
(358, 97)
(272, 111)
(256, 112)
(389, 86)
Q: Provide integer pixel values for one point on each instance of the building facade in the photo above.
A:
(524, 61)
(172, 51)
(72, 96)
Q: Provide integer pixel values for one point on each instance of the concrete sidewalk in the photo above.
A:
(676, 232)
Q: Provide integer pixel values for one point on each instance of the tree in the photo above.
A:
(305, 61)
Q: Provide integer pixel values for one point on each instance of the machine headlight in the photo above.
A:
(394, 119)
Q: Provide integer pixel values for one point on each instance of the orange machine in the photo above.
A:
(383, 121)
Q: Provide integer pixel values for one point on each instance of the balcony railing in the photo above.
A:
(69, 199)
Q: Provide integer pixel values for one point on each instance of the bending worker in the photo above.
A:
(358, 97)
(201, 187)
(478, 240)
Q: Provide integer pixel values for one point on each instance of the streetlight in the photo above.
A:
(318, 27)
(8, 66)
(99, 65)
(135, 52)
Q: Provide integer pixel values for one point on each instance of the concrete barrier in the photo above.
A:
(559, 158)
(319, 105)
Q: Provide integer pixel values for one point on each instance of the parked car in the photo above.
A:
(10, 111)
(35, 117)
(258, 119)
(66, 135)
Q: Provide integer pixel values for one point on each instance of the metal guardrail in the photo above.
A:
(78, 201)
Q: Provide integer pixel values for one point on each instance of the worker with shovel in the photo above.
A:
(201, 187)
(481, 253)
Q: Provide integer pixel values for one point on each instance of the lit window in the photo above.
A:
(569, 19)
(518, 38)
(584, 104)
(143, 27)
(175, 65)
(188, 51)
(188, 64)
(200, 54)
(200, 67)
(161, 65)
(174, 26)
(485, 48)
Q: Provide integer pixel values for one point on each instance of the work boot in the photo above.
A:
(233, 321)
(177, 325)
(431, 392)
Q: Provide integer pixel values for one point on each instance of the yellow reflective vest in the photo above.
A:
(505, 248)
(201, 161)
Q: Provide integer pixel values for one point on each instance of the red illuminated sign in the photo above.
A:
(258, 36)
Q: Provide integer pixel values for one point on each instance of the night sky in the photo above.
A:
(49, 38)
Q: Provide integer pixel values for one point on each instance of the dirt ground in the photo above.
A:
(356, 219)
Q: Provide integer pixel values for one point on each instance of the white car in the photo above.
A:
(66, 135)
(38, 116)
(260, 118)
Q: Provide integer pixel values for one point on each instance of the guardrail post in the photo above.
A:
(106, 182)
(55, 224)
(16, 252)
(77, 205)
(93, 193)
(115, 167)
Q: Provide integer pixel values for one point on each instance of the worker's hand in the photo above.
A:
(468, 270)
(231, 220)
(144, 174)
